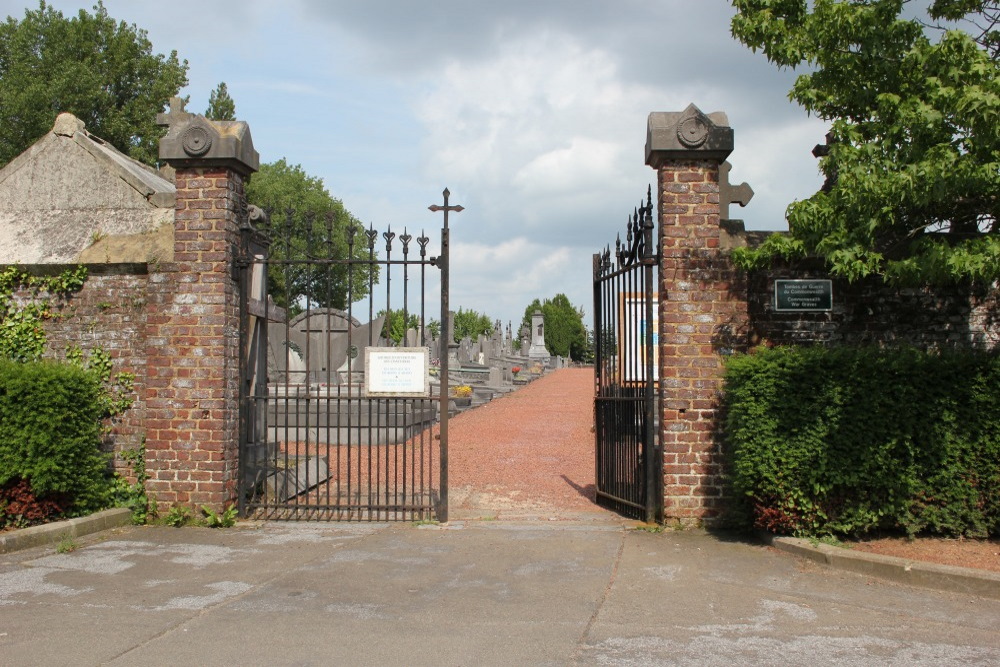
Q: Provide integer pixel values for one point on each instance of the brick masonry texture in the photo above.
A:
(710, 310)
(870, 313)
(193, 348)
(702, 306)
(108, 313)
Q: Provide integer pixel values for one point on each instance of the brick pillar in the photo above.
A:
(702, 306)
(193, 322)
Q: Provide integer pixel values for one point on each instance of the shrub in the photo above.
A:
(20, 507)
(847, 441)
(50, 434)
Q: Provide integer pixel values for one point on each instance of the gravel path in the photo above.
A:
(529, 454)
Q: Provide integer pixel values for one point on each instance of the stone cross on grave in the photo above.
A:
(731, 194)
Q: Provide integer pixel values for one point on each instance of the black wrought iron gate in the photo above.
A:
(340, 417)
(629, 460)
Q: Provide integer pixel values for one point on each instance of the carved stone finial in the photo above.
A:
(688, 134)
(192, 139)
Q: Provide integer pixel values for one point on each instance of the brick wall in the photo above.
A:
(870, 312)
(108, 313)
(702, 315)
(193, 347)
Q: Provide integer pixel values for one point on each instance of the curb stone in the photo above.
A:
(52, 533)
(964, 580)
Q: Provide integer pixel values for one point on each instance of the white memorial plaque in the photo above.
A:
(397, 371)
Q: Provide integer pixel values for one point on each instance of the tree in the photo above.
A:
(220, 105)
(472, 324)
(395, 325)
(308, 223)
(913, 156)
(565, 334)
(103, 72)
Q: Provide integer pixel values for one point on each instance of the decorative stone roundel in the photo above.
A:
(196, 140)
(692, 131)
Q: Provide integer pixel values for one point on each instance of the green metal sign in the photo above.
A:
(799, 296)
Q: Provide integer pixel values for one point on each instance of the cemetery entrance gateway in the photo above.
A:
(316, 440)
(628, 456)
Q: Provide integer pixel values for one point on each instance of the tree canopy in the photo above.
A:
(396, 323)
(308, 223)
(565, 334)
(102, 71)
(912, 161)
(220, 105)
(471, 323)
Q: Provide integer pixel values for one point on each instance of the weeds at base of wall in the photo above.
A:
(182, 515)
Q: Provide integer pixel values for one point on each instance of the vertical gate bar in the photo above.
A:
(309, 221)
(245, 266)
(261, 384)
(382, 487)
(443, 261)
(442, 510)
(327, 361)
(371, 312)
(425, 491)
(598, 365)
(286, 231)
(649, 443)
(406, 327)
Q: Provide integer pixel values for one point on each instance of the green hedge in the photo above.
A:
(50, 433)
(847, 441)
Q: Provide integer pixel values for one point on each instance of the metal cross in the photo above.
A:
(446, 207)
(447, 330)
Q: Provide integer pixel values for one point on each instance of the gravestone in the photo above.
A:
(537, 351)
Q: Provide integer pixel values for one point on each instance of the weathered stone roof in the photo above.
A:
(72, 198)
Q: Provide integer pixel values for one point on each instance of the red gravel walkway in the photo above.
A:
(529, 454)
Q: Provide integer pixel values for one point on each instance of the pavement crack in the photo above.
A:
(253, 588)
(585, 635)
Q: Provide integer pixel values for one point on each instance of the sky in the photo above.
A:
(532, 113)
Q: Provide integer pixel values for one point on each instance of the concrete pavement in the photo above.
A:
(469, 593)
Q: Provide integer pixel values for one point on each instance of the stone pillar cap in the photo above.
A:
(687, 135)
(195, 141)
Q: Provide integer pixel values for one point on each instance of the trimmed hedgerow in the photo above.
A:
(847, 441)
(50, 434)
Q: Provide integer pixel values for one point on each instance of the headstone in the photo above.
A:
(465, 351)
(412, 338)
(537, 351)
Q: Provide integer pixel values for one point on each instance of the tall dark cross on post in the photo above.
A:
(445, 328)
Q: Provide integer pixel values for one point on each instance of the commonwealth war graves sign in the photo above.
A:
(800, 296)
